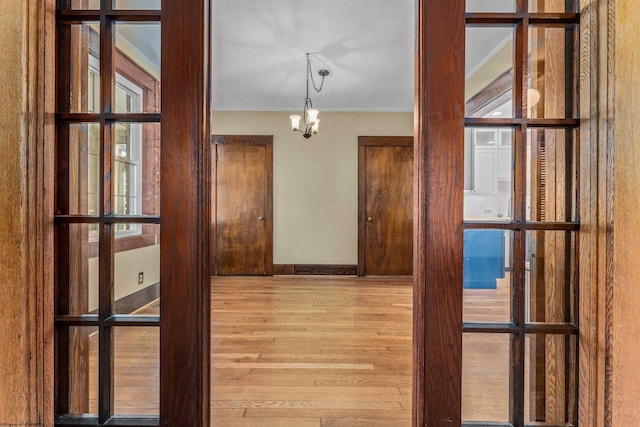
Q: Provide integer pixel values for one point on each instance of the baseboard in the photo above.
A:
(134, 301)
(315, 269)
(283, 270)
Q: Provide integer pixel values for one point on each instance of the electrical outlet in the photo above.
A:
(140, 278)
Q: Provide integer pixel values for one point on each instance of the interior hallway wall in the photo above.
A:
(315, 181)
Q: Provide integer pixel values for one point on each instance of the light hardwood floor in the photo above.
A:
(316, 351)
(312, 351)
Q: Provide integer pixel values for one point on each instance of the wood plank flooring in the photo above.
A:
(312, 351)
(315, 351)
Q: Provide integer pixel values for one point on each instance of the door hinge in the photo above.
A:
(216, 157)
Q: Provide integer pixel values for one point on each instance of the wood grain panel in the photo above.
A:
(185, 211)
(624, 352)
(595, 136)
(385, 206)
(438, 212)
(240, 216)
(25, 231)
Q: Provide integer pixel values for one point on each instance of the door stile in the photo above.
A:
(438, 212)
(185, 212)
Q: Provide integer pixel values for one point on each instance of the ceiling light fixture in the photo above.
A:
(309, 114)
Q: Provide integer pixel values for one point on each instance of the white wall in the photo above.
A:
(127, 266)
(315, 181)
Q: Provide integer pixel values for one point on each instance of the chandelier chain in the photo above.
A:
(310, 73)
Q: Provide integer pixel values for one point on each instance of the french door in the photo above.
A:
(132, 153)
(521, 212)
(127, 158)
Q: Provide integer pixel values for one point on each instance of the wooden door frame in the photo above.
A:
(260, 140)
(440, 25)
(363, 142)
(438, 213)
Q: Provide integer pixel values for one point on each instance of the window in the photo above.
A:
(106, 211)
(127, 171)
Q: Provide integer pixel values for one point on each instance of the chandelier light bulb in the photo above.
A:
(295, 122)
(312, 115)
(315, 126)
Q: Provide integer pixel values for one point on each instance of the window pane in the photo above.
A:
(137, 371)
(551, 175)
(488, 174)
(552, 90)
(137, 68)
(82, 160)
(85, 4)
(485, 377)
(489, 72)
(136, 4)
(76, 370)
(490, 6)
(84, 69)
(552, 6)
(550, 276)
(550, 392)
(136, 171)
(137, 270)
(486, 254)
(487, 275)
(78, 269)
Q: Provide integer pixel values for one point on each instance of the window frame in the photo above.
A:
(136, 92)
(106, 319)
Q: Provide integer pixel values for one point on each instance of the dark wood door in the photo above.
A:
(385, 200)
(243, 179)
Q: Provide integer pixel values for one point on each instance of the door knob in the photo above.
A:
(260, 218)
(370, 219)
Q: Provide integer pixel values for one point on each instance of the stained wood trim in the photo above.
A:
(185, 211)
(243, 139)
(362, 207)
(134, 301)
(46, 98)
(363, 142)
(385, 141)
(438, 212)
(283, 269)
(596, 108)
(92, 421)
(486, 98)
(82, 16)
(315, 269)
(256, 140)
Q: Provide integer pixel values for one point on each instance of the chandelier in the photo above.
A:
(309, 116)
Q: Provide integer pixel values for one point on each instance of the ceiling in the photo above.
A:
(259, 51)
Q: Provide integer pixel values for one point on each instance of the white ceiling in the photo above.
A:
(259, 54)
